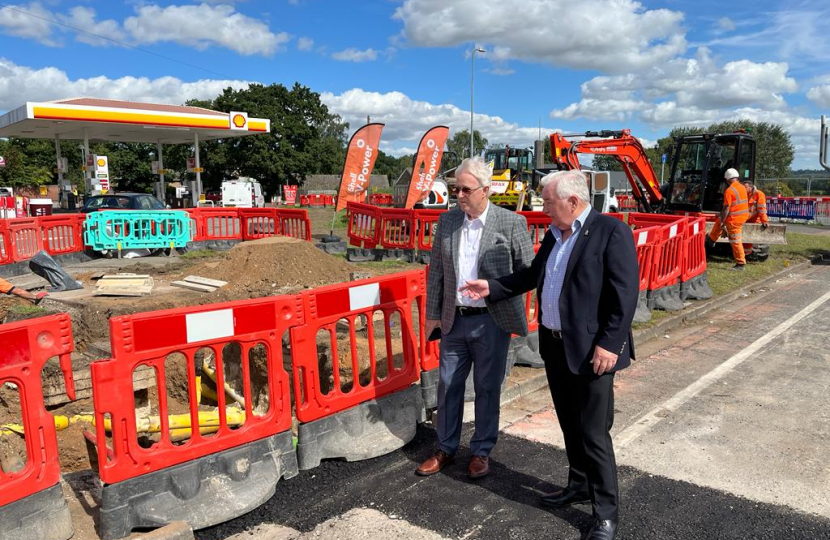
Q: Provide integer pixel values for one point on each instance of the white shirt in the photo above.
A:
(468, 249)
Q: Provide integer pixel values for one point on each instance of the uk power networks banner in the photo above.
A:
(427, 164)
(360, 160)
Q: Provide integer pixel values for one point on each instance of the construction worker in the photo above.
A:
(757, 210)
(733, 216)
(8, 288)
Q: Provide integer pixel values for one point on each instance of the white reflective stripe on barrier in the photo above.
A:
(209, 325)
(364, 296)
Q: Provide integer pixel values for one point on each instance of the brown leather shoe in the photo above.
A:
(434, 464)
(479, 466)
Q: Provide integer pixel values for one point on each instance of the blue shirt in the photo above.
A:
(555, 268)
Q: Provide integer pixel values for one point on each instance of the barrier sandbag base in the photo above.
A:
(216, 245)
(203, 492)
(697, 288)
(666, 298)
(406, 255)
(423, 257)
(643, 313)
(525, 351)
(354, 254)
(429, 388)
(41, 516)
(365, 431)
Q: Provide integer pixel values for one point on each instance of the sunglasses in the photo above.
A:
(466, 190)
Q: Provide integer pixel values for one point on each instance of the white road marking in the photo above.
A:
(655, 415)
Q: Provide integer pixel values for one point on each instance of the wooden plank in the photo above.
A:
(193, 286)
(124, 291)
(205, 281)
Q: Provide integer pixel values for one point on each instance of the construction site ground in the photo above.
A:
(282, 266)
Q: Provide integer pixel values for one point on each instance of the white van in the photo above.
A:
(242, 193)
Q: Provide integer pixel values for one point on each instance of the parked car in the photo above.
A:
(122, 201)
(214, 195)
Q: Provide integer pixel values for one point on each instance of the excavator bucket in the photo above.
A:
(752, 233)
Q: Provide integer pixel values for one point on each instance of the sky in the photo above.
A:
(548, 65)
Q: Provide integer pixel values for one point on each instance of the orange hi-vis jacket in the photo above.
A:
(735, 197)
(758, 208)
(5, 286)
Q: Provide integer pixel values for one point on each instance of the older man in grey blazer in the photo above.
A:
(477, 239)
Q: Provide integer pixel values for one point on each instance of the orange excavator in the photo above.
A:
(697, 165)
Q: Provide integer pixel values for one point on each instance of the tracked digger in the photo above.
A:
(697, 166)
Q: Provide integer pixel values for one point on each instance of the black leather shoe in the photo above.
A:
(603, 529)
(566, 497)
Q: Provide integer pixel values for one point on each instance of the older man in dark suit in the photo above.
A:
(586, 280)
(476, 239)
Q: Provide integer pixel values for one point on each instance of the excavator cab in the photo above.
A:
(698, 163)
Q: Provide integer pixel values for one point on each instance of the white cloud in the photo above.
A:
(407, 119)
(622, 34)
(21, 83)
(599, 109)
(725, 23)
(202, 26)
(29, 22)
(84, 18)
(355, 55)
(820, 95)
(305, 44)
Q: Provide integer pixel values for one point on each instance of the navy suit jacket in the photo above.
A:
(599, 294)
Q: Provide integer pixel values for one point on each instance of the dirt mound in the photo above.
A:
(263, 266)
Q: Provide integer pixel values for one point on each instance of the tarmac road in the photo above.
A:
(722, 432)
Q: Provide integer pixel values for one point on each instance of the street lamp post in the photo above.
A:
(472, 71)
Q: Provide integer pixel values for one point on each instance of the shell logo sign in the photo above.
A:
(238, 120)
(102, 162)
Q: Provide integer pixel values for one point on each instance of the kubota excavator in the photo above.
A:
(698, 163)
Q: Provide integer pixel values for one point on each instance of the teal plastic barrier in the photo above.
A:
(137, 229)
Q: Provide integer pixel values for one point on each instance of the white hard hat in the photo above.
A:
(731, 173)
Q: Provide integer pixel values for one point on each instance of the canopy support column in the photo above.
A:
(160, 189)
(197, 187)
(87, 171)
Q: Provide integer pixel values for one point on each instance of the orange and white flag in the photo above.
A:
(427, 164)
(360, 160)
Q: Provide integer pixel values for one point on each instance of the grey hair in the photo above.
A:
(477, 167)
(568, 183)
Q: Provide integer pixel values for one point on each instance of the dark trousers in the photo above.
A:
(585, 408)
(472, 341)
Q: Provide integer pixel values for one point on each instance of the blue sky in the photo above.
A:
(572, 66)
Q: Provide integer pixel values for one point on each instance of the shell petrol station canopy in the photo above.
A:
(126, 121)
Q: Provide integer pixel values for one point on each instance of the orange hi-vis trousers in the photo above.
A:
(733, 230)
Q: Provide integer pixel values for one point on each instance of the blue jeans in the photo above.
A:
(473, 341)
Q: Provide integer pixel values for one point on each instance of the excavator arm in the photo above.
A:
(620, 144)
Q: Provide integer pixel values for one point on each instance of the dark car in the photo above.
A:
(122, 201)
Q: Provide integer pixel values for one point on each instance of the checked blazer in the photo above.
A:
(505, 248)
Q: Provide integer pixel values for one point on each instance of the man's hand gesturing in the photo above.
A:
(476, 289)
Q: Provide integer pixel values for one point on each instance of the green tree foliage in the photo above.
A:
(460, 143)
(391, 166)
(774, 152)
(22, 168)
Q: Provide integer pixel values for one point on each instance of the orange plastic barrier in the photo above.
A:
(327, 308)
(364, 225)
(24, 349)
(694, 249)
(644, 240)
(194, 332)
(398, 229)
(26, 239)
(304, 200)
(63, 233)
(667, 261)
(258, 223)
(537, 224)
(5, 242)
(216, 224)
(380, 199)
(294, 223)
(427, 222)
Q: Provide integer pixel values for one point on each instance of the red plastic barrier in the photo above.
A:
(328, 200)
(217, 224)
(316, 200)
(63, 233)
(380, 199)
(667, 261)
(24, 349)
(294, 223)
(644, 240)
(304, 200)
(25, 238)
(364, 225)
(258, 223)
(427, 223)
(537, 224)
(5, 242)
(328, 308)
(150, 339)
(694, 249)
(398, 229)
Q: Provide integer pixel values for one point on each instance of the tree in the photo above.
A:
(22, 169)
(460, 143)
(774, 151)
